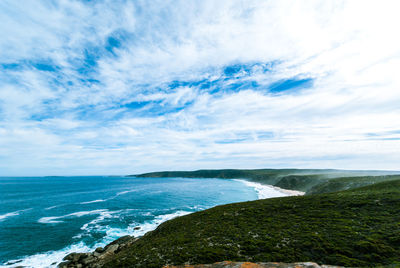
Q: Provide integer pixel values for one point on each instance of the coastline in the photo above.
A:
(269, 191)
(289, 192)
(99, 255)
(54, 257)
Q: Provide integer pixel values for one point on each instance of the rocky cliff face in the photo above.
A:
(99, 256)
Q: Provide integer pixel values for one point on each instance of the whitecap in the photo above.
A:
(49, 220)
(153, 224)
(56, 219)
(136, 229)
(126, 192)
(12, 214)
(93, 201)
(50, 258)
(51, 207)
(53, 258)
(103, 215)
(90, 212)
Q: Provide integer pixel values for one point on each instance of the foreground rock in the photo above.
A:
(99, 256)
(228, 264)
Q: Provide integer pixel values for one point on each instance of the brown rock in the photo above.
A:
(112, 248)
(96, 254)
(99, 249)
(88, 260)
(75, 257)
(120, 240)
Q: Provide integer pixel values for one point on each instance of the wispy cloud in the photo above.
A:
(120, 87)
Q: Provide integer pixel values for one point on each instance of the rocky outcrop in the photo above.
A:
(229, 264)
(98, 257)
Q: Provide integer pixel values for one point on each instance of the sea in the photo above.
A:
(42, 219)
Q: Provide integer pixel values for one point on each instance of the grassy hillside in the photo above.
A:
(340, 184)
(359, 227)
(306, 180)
(262, 174)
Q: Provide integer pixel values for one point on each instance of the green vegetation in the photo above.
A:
(358, 227)
(340, 184)
(306, 180)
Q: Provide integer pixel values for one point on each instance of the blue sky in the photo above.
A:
(123, 87)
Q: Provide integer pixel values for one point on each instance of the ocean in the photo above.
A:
(42, 219)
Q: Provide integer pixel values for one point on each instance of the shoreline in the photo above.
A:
(100, 255)
(262, 190)
(265, 191)
(289, 192)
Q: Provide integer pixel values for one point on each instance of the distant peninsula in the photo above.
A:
(311, 181)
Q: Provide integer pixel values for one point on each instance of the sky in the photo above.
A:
(125, 87)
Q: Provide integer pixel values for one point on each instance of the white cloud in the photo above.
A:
(77, 120)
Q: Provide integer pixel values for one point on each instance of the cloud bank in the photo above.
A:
(122, 87)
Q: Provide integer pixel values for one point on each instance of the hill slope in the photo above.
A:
(306, 180)
(359, 227)
(340, 184)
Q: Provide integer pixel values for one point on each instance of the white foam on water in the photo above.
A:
(56, 219)
(103, 215)
(269, 191)
(53, 258)
(134, 229)
(56, 206)
(12, 214)
(126, 192)
(48, 259)
(49, 220)
(152, 225)
(93, 201)
(51, 207)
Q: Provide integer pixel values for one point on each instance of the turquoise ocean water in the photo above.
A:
(44, 218)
